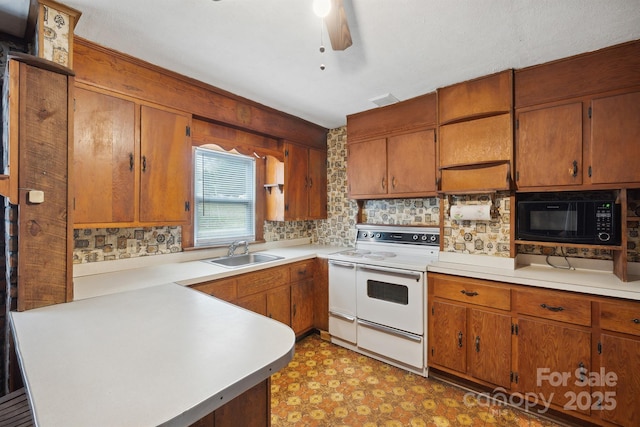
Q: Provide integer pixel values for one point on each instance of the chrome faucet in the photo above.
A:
(234, 246)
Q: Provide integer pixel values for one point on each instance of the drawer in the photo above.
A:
(302, 270)
(554, 306)
(472, 291)
(620, 317)
(225, 289)
(262, 280)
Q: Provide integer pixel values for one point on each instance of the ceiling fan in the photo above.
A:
(337, 26)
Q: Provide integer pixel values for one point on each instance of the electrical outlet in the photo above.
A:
(132, 246)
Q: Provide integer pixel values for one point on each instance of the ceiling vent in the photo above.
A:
(386, 99)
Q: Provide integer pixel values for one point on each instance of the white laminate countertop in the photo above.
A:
(590, 276)
(162, 355)
(90, 281)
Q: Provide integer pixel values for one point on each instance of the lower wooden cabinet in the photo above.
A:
(580, 353)
(284, 293)
(249, 409)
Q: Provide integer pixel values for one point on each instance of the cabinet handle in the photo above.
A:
(459, 339)
(130, 161)
(302, 272)
(393, 182)
(478, 344)
(552, 308)
(310, 182)
(384, 182)
(144, 163)
(574, 169)
(469, 294)
(294, 309)
(306, 182)
(582, 371)
(636, 321)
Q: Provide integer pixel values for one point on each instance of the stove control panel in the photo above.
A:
(407, 237)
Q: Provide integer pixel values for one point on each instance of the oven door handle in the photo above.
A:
(342, 264)
(342, 316)
(410, 274)
(390, 331)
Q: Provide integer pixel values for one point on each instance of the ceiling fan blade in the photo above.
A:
(338, 27)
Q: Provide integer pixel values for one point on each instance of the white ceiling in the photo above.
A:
(268, 50)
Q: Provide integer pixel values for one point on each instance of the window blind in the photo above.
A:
(224, 197)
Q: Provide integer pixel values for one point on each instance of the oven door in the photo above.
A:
(391, 297)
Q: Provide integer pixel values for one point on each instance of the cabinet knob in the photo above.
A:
(478, 344)
(573, 170)
(459, 339)
(636, 321)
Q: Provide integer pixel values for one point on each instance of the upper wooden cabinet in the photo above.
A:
(139, 156)
(398, 166)
(297, 189)
(577, 121)
(476, 134)
(392, 150)
(486, 96)
(549, 146)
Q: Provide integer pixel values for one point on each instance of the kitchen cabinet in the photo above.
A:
(549, 146)
(476, 134)
(302, 294)
(284, 293)
(579, 352)
(297, 189)
(251, 408)
(578, 117)
(391, 150)
(139, 155)
(554, 338)
(615, 132)
(398, 166)
(470, 329)
(618, 358)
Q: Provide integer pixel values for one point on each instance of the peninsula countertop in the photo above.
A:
(161, 355)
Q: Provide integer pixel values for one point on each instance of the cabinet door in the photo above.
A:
(549, 357)
(448, 327)
(165, 174)
(317, 173)
(279, 304)
(621, 356)
(411, 163)
(367, 168)
(256, 303)
(104, 159)
(302, 306)
(615, 139)
(548, 142)
(296, 187)
(489, 348)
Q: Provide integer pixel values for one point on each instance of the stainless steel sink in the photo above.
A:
(237, 261)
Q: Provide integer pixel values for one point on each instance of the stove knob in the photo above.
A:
(424, 237)
(415, 237)
(433, 238)
(377, 235)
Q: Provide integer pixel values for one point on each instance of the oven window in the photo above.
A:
(397, 294)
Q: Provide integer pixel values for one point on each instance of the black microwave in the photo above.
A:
(569, 221)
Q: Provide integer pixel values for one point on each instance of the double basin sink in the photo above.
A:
(244, 260)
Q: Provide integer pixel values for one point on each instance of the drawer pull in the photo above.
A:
(552, 308)
(459, 339)
(478, 344)
(636, 321)
(469, 294)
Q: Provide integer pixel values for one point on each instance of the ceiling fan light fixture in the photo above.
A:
(321, 7)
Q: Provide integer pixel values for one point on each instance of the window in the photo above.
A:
(224, 197)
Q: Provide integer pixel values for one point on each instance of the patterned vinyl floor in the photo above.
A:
(327, 385)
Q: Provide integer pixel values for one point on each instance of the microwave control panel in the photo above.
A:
(604, 221)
